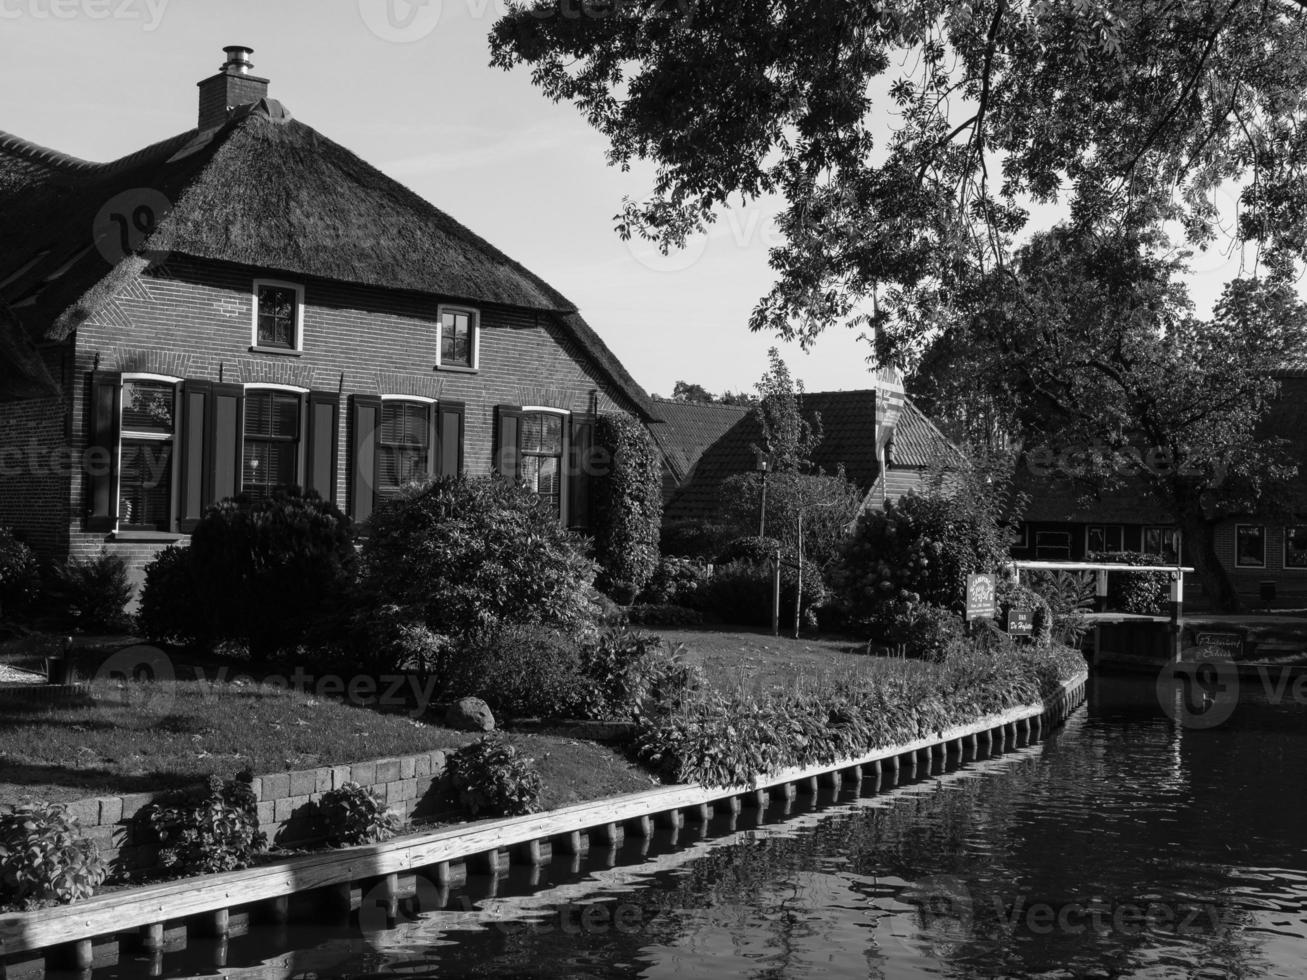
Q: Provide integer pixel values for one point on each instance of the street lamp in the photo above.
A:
(762, 464)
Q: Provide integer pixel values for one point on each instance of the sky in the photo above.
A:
(408, 87)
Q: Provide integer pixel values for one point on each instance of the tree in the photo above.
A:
(684, 391)
(788, 438)
(909, 141)
(1090, 349)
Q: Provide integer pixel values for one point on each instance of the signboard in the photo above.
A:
(1021, 622)
(1219, 646)
(982, 603)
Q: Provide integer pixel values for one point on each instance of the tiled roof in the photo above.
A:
(263, 191)
(706, 444)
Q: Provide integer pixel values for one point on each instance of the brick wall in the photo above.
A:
(193, 319)
(411, 785)
(36, 468)
(1289, 582)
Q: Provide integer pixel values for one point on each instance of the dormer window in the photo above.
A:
(278, 316)
(460, 338)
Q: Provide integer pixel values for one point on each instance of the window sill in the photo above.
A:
(457, 368)
(277, 351)
(161, 536)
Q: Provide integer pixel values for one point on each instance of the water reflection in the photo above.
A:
(1124, 846)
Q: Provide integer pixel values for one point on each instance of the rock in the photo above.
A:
(470, 715)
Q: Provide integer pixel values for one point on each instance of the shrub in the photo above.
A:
(268, 571)
(919, 550)
(609, 666)
(665, 615)
(214, 830)
(1014, 595)
(741, 592)
(920, 631)
(19, 575)
(170, 600)
(628, 507)
(828, 503)
(492, 777)
(353, 815)
(44, 858)
(1146, 593)
(658, 682)
(520, 671)
(381, 639)
(677, 582)
(460, 556)
(693, 539)
(1069, 596)
(94, 592)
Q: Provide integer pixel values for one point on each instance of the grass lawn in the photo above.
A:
(734, 657)
(165, 735)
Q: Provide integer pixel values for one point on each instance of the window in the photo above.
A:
(1053, 545)
(1163, 541)
(145, 474)
(1250, 546)
(1104, 537)
(541, 459)
(1295, 546)
(278, 316)
(272, 441)
(403, 445)
(459, 338)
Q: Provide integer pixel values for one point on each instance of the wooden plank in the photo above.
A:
(131, 909)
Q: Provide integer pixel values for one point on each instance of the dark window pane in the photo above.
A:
(1250, 546)
(277, 316)
(456, 339)
(1295, 546)
(1096, 540)
(148, 406)
(145, 494)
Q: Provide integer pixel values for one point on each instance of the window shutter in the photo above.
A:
(365, 416)
(579, 474)
(508, 430)
(190, 451)
(321, 458)
(102, 437)
(224, 429)
(449, 439)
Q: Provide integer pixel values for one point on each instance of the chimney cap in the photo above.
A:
(238, 59)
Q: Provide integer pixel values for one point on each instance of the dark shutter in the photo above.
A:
(224, 431)
(102, 433)
(564, 473)
(449, 439)
(321, 458)
(507, 430)
(192, 497)
(365, 416)
(580, 466)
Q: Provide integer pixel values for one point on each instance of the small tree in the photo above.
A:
(628, 507)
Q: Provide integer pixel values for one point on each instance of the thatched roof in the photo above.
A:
(22, 372)
(264, 191)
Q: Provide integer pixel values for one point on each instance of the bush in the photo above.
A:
(170, 600)
(492, 777)
(1069, 596)
(19, 576)
(267, 571)
(94, 592)
(693, 539)
(215, 830)
(628, 507)
(609, 666)
(919, 550)
(740, 592)
(45, 859)
(677, 582)
(920, 631)
(665, 615)
(1014, 595)
(353, 815)
(828, 505)
(1146, 593)
(519, 671)
(460, 556)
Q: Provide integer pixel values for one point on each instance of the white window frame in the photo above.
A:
(173, 501)
(429, 402)
(1238, 562)
(563, 476)
(474, 316)
(1060, 534)
(301, 437)
(299, 317)
(1285, 562)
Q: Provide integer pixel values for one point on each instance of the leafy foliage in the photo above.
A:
(1146, 593)
(19, 573)
(463, 555)
(828, 504)
(210, 831)
(694, 538)
(44, 858)
(1069, 596)
(353, 814)
(667, 615)
(94, 592)
(264, 572)
(918, 630)
(628, 506)
(519, 671)
(741, 592)
(685, 391)
(493, 778)
(677, 582)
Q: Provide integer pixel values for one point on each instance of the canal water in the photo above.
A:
(1124, 846)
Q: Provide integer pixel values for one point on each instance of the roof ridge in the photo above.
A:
(28, 150)
(673, 401)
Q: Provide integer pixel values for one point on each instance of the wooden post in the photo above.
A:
(571, 843)
(151, 937)
(1177, 612)
(808, 786)
(776, 594)
(1100, 590)
(528, 852)
(641, 826)
(700, 814)
(608, 833)
(486, 863)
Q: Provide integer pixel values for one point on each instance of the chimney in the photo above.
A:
(233, 86)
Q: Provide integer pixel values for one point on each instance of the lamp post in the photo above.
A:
(762, 464)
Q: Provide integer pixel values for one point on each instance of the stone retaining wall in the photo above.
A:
(412, 785)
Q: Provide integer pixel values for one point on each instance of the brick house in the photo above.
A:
(886, 446)
(248, 305)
